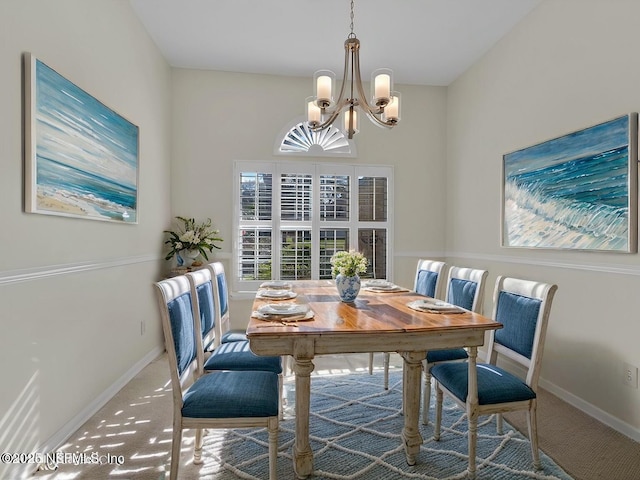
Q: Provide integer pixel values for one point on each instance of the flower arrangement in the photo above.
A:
(348, 264)
(192, 236)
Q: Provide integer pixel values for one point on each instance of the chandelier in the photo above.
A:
(383, 107)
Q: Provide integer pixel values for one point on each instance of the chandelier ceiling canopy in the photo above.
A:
(382, 107)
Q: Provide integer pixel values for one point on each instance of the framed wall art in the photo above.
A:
(81, 157)
(577, 192)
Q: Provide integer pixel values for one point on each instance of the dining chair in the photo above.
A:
(428, 281)
(235, 355)
(225, 333)
(226, 356)
(229, 399)
(522, 307)
(465, 288)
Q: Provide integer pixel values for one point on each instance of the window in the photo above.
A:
(290, 218)
(299, 140)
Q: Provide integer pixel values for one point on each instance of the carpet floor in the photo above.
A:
(355, 434)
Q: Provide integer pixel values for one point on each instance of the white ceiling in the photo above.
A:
(425, 42)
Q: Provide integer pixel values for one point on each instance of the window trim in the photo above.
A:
(277, 168)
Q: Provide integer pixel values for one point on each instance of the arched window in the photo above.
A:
(300, 140)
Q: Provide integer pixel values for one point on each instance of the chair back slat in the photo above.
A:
(519, 317)
(429, 278)
(221, 299)
(426, 283)
(465, 287)
(462, 293)
(522, 307)
(206, 307)
(182, 331)
(205, 313)
(223, 293)
(176, 313)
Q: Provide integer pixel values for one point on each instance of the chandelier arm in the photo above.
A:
(362, 101)
(375, 119)
(345, 74)
(333, 114)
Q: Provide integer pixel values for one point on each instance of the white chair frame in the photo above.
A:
(431, 266)
(166, 291)
(223, 319)
(545, 293)
(462, 273)
(196, 279)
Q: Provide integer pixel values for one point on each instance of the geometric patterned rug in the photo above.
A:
(355, 434)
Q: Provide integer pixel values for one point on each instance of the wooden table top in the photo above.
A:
(371, 312)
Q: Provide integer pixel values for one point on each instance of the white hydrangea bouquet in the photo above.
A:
(349, 263)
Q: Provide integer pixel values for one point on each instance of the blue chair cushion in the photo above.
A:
(224, 295)
(519, 316)
(495, 385)
(181, 319)
(238, 356)
(426, 283)
(448, 355)
(234, 336)
(205, 304)
(462, 292)
(231, 395)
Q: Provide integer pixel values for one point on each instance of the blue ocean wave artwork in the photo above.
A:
(86, 154)
(570, 192)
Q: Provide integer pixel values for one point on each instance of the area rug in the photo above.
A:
(355, 434)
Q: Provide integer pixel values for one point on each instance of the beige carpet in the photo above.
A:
(581, 445)
(135, 426)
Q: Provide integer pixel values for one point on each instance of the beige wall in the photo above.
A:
(221, 117)
(73, 292)
(567, 66)
(70, 334)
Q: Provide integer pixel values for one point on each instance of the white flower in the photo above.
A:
(188, 237)
(348, 263)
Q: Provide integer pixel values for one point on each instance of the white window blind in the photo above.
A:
(291, 218)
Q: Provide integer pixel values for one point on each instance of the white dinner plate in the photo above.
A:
(435, 306)
(378, 283)
(277, 294)
(283, 309)
(276, 285)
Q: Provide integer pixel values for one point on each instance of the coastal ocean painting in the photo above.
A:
(578, 191)
(81, 158)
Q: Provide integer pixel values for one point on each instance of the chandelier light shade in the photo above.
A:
(382, 106)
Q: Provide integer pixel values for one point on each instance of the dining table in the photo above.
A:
(306, 318)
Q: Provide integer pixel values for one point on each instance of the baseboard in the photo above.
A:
(577, 402)
(62, 435)
(591, 410)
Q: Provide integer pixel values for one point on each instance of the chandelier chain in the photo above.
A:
(352, 35)
(383, 109)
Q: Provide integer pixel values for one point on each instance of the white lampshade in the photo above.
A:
(323, 81)
(392, 110)
(381, 86)
(346, 117)
(314, 114)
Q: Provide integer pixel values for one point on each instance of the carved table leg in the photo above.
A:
(303, 366)
(411, 403)
(472, 414)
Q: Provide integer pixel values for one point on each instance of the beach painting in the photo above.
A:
(81, 157)
(578, 191)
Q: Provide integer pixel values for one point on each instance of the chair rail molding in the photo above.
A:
(541, 262)
(36, 273)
